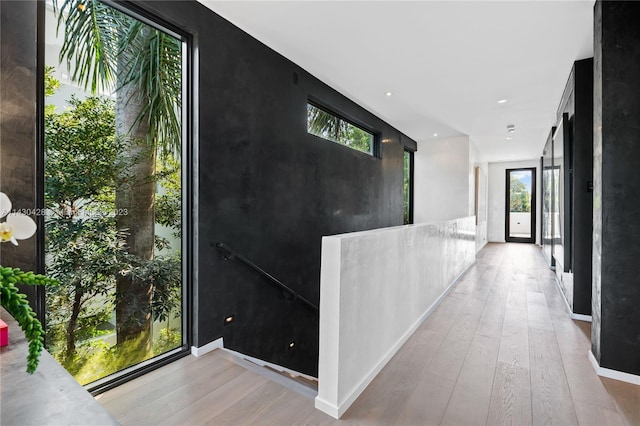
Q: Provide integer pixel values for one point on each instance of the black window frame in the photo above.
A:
(189, 158)
(411, 184)
(507, 207)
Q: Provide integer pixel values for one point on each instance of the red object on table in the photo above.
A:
(4, 334)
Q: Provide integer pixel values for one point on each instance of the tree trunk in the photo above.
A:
(71, 326)
(135, 205)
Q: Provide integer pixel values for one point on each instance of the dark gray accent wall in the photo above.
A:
(270, 190)
(616, 248)
(18, 123)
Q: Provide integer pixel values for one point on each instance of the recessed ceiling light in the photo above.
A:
(502, 101)
(508, 138)
(388, 93)
(511, 128)
(435, 134)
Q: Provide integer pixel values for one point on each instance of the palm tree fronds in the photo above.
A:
(156, 71)
(324, 124)
(91, 40)
(96, 39)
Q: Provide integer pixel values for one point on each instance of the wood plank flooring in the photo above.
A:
(500, 349)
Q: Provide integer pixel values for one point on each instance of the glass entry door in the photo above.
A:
(520, 217)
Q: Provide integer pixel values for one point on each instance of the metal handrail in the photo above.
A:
(232, 254)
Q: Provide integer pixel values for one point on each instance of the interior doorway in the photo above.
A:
(520, 206)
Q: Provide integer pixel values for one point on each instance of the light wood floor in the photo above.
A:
(500, 349)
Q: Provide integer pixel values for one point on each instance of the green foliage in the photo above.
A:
(82, 154)
(165, 274)
(94, 324)
(92, 31)
(96, 359)
(155, 69)
(112, 52)
(84, 246)
(51, 84)
(17, 305)
(85, 249)
(170, 338)
(328, 126)
(165, 277)
(169, 200)
(86, 256)
(407, 186)
(519, 196)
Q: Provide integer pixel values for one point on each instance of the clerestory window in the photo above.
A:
(327, 125)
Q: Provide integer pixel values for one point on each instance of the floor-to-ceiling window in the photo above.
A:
(114, 189)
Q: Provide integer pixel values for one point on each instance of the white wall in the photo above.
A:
(483, 206)
(474, 153)
(497, 200)
(441, 180)
(519, 223)
(376, 288)
(481, 221)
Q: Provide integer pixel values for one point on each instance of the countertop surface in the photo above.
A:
(50, 396)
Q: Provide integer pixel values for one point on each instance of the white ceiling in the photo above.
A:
(447, 63)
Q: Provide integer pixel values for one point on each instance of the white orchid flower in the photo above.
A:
(17, 226)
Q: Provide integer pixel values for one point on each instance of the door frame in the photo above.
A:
(411, 182)
(507, 238)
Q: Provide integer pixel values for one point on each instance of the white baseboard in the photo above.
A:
(273, 372)
(613, 374)
(574, 316)
(564, 296)
(553, 268)
(328, 408)
(263, 363)
(219, 344)
(337, 411)
(581, 317)
(199, 351)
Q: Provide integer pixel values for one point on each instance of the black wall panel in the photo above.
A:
(577, 181)
(616, 326)
(582, 193)
(270, 191)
